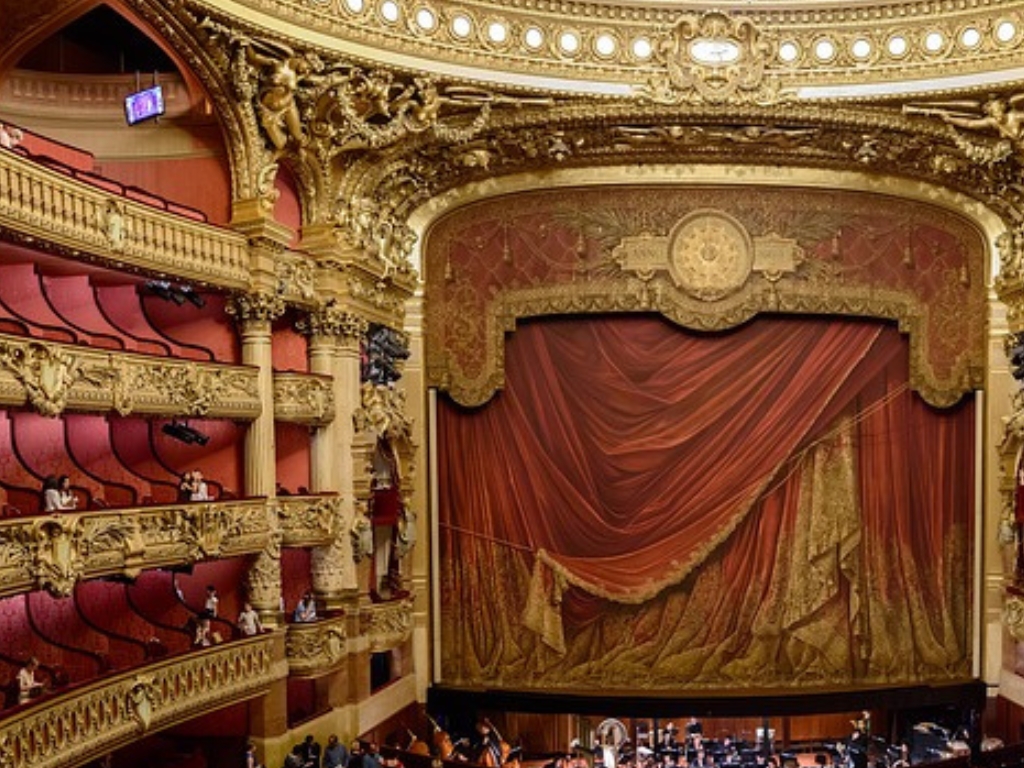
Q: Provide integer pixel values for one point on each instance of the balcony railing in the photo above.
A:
(59, 213)
(318, 647)
(89, 721)
(53, 552)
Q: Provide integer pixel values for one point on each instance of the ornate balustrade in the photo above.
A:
(86, 722)
(61, 214)
(322, 646)
(309, 521)
(52, 552)
(386, 625)
(318, 647)
(303, 398)
(53, 377)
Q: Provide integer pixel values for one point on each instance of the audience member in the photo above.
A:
(28, 685)
(336, 755)
(200, 492)
(310, 753)
(212, 601)
(185, 487)
(355, 755)
(57, 494)
(250, 757)
(10, 136)
(371, 757)
(204, 636)
(249, 621)
(305, 611)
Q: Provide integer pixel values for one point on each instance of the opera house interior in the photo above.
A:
(534, 383)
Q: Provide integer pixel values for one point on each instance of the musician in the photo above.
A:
(488, 744)
(694, 729)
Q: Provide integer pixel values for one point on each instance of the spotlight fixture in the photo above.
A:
(1016, 355)
(179, 294)
(185, 434)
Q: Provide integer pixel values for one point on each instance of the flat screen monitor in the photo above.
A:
(144, 105)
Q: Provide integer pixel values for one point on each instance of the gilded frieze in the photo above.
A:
(635, 250)
(309, 521)
(317, 648)
(52, 378)
(386, 625)
(53, 552)
(94, 720)
(303, 398)
(565, 45)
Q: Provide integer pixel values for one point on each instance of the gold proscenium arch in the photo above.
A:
(708, 247)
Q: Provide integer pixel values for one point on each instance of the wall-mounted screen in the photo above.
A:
(144, 105)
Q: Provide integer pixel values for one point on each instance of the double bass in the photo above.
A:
(493, 755)
(443, 746)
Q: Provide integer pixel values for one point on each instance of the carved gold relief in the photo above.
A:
(53, 552)
(88, 722)
(381, 412)
(317, 648)
(303, 398)
(715, 58)
(54, 377)
(330, 319)
(46, 372)
(309, 520)
(386, 625)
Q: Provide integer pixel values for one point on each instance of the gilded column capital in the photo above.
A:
(331, 320)
(257, 307)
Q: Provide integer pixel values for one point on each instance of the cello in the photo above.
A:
(417, 747)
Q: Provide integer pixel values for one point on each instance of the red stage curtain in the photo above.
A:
(624, 458)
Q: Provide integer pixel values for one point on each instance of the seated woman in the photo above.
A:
(57, 494)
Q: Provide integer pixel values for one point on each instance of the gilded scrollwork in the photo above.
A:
(309, 520)
(381, 412)
(386, 625)
(90, 721)
(303, 398)
(255, 307)
(54, 377)
(713, 58)
(330, 319)
(46, 371)
(295, 278)
(318, 647)
(55, 552)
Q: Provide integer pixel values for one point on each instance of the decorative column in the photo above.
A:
(254, 314)
(334, 339)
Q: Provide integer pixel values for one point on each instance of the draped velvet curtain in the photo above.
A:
(769, 505)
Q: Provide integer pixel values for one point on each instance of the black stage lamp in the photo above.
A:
(185, 434)
(1016, 355)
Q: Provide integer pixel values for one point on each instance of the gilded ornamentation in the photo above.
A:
(58, 561)
(361, 538)
(713, 58)
(386, 625)
(197, 389)
(259, 307)
(143, 698)
(263, 579)
(381, 412)
(87, 225)
(1003, 117)
(331, 569)
(1013, 617)
(46, 371)
(711, 255)
(54, 552)
(330, 319)
(58, 377)
(377, 233)
(295, 277)
(317, 647)
(303, 398)
(309, 520)
(87, 722)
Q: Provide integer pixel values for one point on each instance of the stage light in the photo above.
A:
(179, 294)
(192, 295)
(185, 434)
